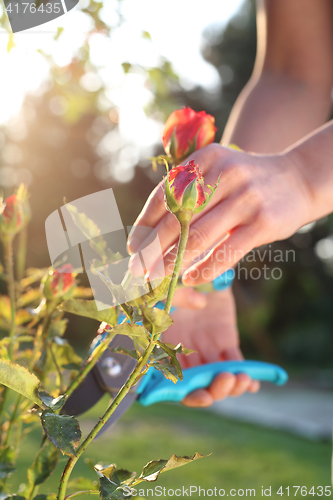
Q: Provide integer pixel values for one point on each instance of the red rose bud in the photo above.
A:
(184, 190)
(59, 283)
(186, 131)
(14, 213)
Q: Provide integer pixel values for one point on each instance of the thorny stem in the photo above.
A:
(115, 403)
(140, 367)
(184, 232)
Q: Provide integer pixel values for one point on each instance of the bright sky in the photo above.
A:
(175, 27)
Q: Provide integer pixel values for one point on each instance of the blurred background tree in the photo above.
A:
(68, 141)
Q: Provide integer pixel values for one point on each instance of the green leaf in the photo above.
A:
(57, 328)
(82, 483)
(128, 352)
(173, 357)
(112, 491)
(50, 402)
(156, 320)
(62, 430)
(153, 469)
(131, 330)
(116, 475)
(168, 370)
(6, 469)
(92, 233)
(20, 380)
(88, 309)
(63, 353)
(43, 465)
(157, 293)
(179, 348)
(50, 496)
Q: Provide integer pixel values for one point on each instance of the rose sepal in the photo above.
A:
(209, 197)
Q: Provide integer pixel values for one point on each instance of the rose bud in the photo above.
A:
(184, 191)
(11, 217)
(186, 131)
(59, 283)
(14, 213)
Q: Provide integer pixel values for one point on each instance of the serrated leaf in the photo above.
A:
(6, 469)
(116, 290)
(82, 483)
(168, 370)
(112, 491)
(88, 309)
(62, 430)
(173, 358)
(51, 402)
(131, 330)
(156, 320)
(128, 352)
(20, 380)
(179, 348)
(117, 476)
(43, 465)
(153, 469)
(157, 293)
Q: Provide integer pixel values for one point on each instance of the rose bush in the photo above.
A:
(39, 365)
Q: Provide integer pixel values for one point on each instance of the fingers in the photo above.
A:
(200, 398)
(222, 257)
(154, 211)
(223, 386)
(189, 299)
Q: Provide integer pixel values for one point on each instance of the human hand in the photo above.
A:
(260, 199)
(207, 324)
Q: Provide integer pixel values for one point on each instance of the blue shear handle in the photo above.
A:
(156, 388)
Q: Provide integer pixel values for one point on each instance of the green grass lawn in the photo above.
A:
(242, 456)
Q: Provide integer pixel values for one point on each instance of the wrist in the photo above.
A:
(298, 179)
(311, 162)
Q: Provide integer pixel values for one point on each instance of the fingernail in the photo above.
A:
(135, 265)
(133, 244)
(187, 280)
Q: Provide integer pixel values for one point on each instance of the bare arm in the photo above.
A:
(289, 93)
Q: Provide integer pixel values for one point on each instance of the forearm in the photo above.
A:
(313, 159)
(274, 111)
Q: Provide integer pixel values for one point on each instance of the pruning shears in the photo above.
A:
(113, 369)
